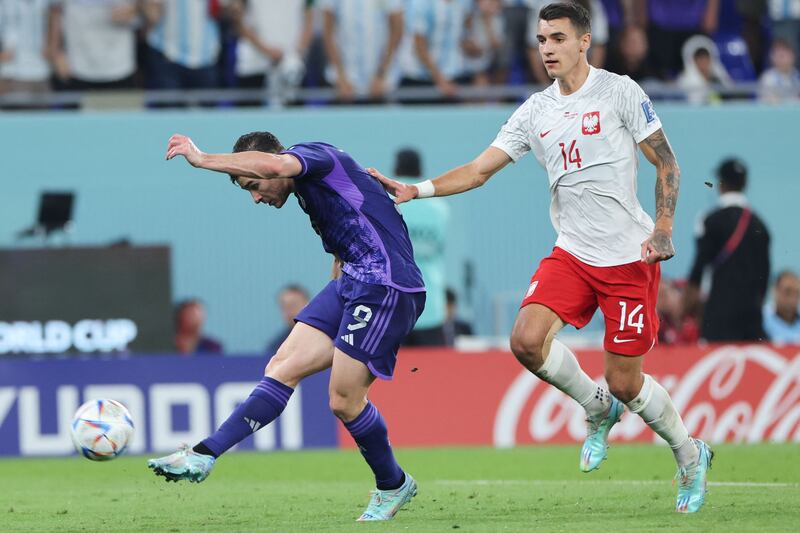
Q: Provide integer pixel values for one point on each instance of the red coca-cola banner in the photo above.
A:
(729, 393)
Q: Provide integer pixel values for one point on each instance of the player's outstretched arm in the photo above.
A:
(659, 247)
(258, 165)
(455, 181)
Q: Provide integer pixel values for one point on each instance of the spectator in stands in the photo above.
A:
(733, 244)
(622, 14)
(703, 71)
(183, 41)
(483, 44)
(785, 18)
(291, 300)
(515, 30)
(433, 52)
(427, 224)
(453, 326)
(781, 82)
(23, 46)
(671, 24)
(361, 41)
(92, 45)
(630, 55)
(597, 52)
(782, 318)
(272, 43)
(675, 327)
(190, 317)
(752, 29)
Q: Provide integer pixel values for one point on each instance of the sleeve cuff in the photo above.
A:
(302, 160)
(513, 154)
(651, 129)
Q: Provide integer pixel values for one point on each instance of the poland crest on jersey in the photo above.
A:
(590, 124)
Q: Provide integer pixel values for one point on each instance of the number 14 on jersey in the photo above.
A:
(571, 155)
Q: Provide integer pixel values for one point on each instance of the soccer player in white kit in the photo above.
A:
(584, 129)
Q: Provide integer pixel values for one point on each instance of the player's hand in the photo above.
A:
(658, 247)
(402, 192)
(183, 145)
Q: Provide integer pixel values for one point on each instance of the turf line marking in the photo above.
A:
(744, 484)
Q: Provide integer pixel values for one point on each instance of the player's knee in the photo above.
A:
(280, 367)
(623, 386)
(343, 407)
(528, 348)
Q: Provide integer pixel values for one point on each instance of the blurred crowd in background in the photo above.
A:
(364, 50)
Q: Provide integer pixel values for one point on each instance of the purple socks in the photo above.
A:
(369, 431)
(264, 405)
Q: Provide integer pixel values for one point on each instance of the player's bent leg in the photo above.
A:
(645, 397)
(306, 351)
(350, 381)
(532, 334)
(535, 346)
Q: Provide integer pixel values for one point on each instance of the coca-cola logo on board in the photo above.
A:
(733, 394)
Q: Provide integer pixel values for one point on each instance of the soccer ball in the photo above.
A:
(102, 429)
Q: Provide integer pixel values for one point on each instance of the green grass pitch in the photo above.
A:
(752, 488)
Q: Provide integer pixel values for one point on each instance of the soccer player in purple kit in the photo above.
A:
(354, 325)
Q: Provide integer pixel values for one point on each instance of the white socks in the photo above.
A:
(653, 404)
(655, 407)
(562, 370)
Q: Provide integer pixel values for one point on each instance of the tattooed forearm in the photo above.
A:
(668, 176)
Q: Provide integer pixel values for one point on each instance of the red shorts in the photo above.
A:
(626, 294)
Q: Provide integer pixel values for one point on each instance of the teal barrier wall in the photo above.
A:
(235, 255)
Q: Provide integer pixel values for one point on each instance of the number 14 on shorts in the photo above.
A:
(634, 319)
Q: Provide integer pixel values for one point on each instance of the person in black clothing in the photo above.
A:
(453, 326)
(734, 246)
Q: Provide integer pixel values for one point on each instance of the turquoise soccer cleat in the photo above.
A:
(692, 480)
(384, 504)
(183, 464)
(594, 450)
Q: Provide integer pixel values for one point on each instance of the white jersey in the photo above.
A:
(587, 141)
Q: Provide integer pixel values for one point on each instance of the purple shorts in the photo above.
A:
(367, 322)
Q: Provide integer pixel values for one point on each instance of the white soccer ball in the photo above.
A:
(102, 429)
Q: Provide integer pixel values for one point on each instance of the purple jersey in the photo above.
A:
(355, 217)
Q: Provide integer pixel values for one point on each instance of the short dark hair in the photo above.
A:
(732, 173)
(407, 163)
(257, 141)
(701, 52)
(177, 311)
(450, 296)
(784, 274)
(294, 287)
(783, 43)
(576, 13)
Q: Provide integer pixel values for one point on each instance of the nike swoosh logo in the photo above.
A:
(620, 341)
(544, 134)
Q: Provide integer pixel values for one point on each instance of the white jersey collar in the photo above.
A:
(586, 84)
(733, 199)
